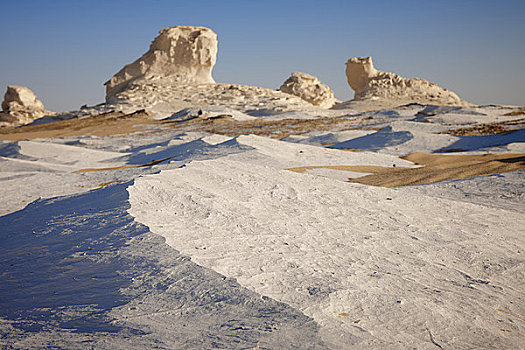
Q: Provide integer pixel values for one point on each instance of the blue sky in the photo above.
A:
(65, 50)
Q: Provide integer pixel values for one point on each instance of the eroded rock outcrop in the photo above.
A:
(389, 89)
(310, 89)
(176, 73)
(251, 100)
(179, 55)
(20, 106)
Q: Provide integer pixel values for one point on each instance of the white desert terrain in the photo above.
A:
(182, 213)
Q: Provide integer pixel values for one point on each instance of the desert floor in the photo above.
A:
(398, 228)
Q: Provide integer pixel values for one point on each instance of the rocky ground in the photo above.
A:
(213, 227)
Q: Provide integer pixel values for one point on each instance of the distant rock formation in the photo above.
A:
(179, 55)
(168, 99)
(20, 106)
(310, 89)
(176, 73)
(389, 89)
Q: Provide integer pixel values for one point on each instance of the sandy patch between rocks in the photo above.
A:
(116, 123)
(434, 168)
(113, 123)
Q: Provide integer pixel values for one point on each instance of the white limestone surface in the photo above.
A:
(376, 86)
(310, 89)
(182, 54)
(374, 267)
(20, 106)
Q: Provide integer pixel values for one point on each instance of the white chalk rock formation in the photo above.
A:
(179, 55)
(176, 73)
(20, 106)
(390, 89)
(168, 99)
(310, 89)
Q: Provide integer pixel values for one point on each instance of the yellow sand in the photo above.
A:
(101, 125)
(435, 168)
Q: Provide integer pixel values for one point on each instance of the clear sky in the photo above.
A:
(64, 50)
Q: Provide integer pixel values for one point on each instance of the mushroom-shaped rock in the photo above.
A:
(310, 89)
(20, 106)
(391, 89)
(180, 55)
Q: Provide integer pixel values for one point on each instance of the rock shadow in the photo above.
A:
(78, 270)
